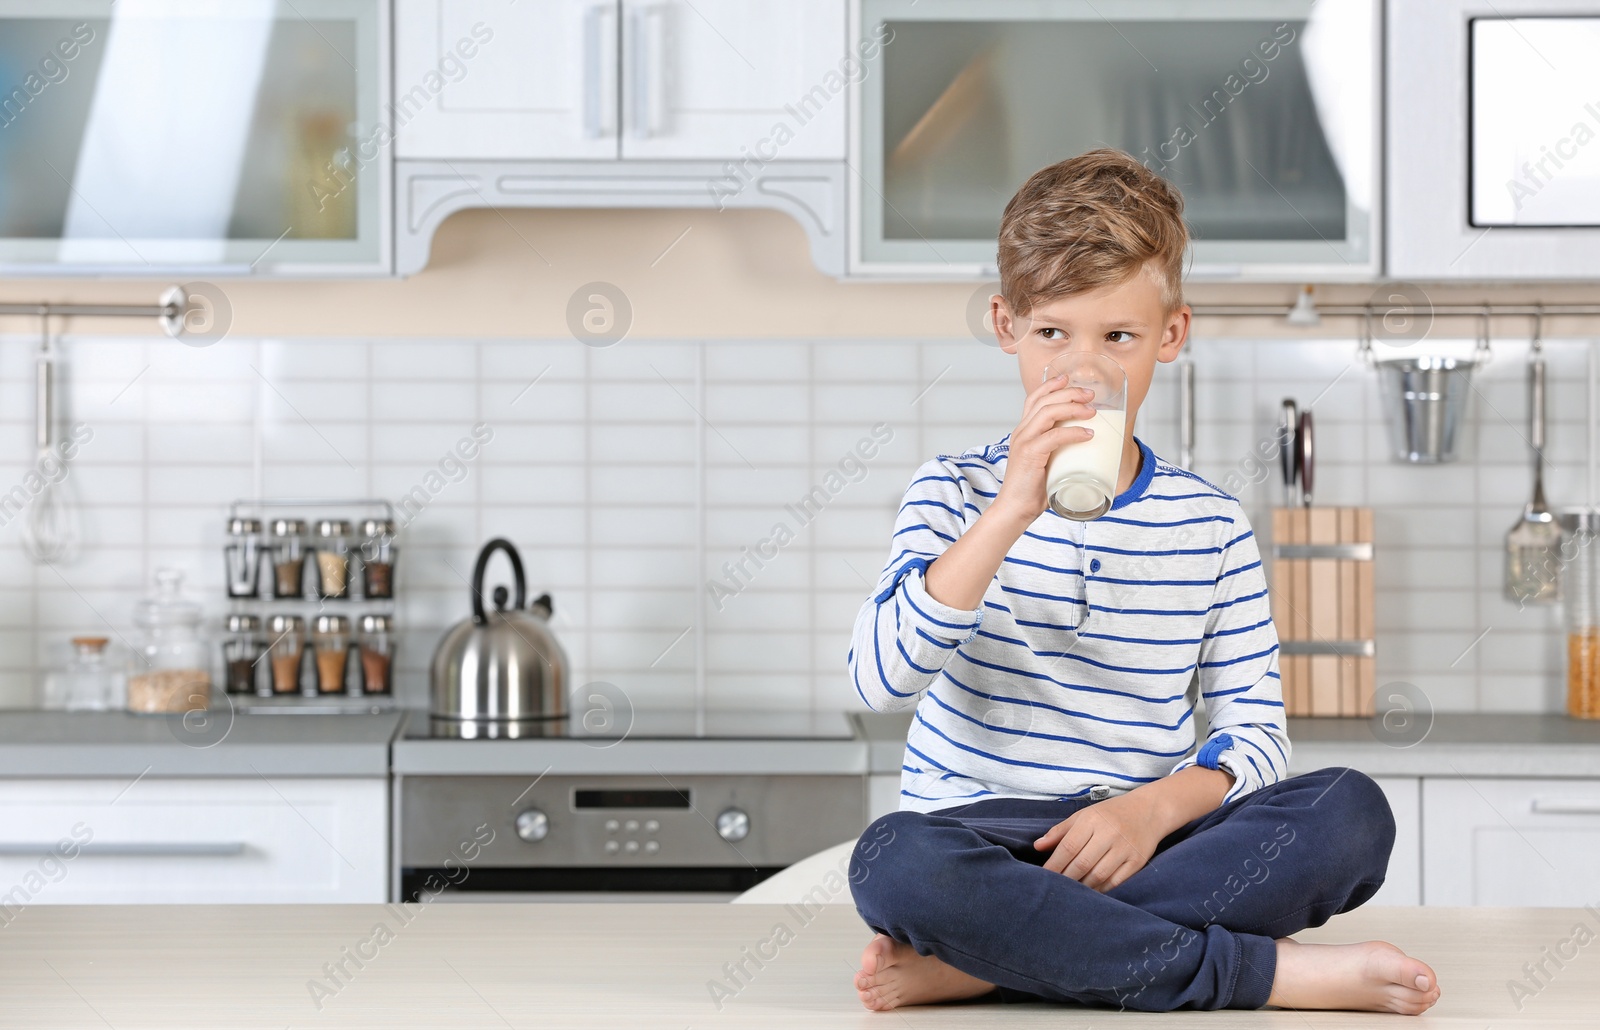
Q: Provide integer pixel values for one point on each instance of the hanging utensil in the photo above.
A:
(1287, 450)
(50, 533)
(1304, 458)
(1533, 545)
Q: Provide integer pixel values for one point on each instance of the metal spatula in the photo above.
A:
(1533, 546)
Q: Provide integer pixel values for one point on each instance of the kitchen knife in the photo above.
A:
(1304, 457)
(1286, 450)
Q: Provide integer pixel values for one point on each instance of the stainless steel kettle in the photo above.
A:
(503, 666)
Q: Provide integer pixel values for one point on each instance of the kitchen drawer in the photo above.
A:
(103, 841)
(1510, 841)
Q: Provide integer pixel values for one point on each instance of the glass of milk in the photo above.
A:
(1081, 479)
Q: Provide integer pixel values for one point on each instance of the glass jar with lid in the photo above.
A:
(172, 666)
(243, 557)
(333, 559)
(89, 683)
(287, 634)
(242, 649)
(377, 654)
(1580, 597)
(288, 558)
(330, 638)
(377, 558)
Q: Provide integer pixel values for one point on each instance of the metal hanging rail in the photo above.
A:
(171, 310)
(1437, 310)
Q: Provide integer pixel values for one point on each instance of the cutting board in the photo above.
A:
(1322, 608)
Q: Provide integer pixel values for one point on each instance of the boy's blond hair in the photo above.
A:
(1090, 221)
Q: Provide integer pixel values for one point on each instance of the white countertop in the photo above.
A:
(556, 966)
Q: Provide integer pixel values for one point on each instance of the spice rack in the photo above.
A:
(310, 624)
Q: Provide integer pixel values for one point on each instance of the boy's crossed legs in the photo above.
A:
(964, 907)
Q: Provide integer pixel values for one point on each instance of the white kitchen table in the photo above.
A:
(647, 966)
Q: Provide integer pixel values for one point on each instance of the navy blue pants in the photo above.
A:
(1193, 929)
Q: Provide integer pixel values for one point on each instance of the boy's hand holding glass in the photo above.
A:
(1038, 435)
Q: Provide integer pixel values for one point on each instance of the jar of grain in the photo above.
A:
(287, 634)
(288, 558)
(377, 654)
(1580, 597)
(333, 559)
(377, 558)
(330, 638)
(172, 666)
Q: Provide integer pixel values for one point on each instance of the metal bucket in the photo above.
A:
(1423, 399)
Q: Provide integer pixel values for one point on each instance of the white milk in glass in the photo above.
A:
(1081, 479)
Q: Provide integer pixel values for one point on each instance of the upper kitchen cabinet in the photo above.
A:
(1493, 172)
(154, 138)
(501, 79)
(636, 79)
(1264, 113)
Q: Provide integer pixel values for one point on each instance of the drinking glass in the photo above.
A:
(1081, 478)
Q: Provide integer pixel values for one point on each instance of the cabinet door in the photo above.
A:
(105, 842)
(763, 79)
(1510, 841)
(502, 79)
(1403, 884)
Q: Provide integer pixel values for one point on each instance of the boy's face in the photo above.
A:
(1125, 322)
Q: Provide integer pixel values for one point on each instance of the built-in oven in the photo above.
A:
(1493, 139)
(668, 806)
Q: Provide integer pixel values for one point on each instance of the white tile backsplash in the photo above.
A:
(632, 475)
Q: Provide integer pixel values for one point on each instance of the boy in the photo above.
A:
(1056, 839)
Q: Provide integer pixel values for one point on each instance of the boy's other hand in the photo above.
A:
(1035, 438)
(1103, 844)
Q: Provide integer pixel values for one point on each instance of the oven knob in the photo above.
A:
(733, 824)
(533, 825)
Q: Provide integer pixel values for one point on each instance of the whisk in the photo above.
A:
(50, 534)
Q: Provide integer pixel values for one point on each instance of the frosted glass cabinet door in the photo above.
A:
(506, 79)
(1264, 113)
(155, 137)
(729, 78)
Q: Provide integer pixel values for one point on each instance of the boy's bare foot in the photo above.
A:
(1373, 976)
(893, 974)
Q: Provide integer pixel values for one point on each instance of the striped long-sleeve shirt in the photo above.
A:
(1071, 677)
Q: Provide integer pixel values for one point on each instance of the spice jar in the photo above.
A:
(377, 654)
(172, 669)
(377, 558)
(288, 635)
(1580, 597)
(242, 649)
(330, 638)
(288, 558)
(242, 556)
(333, 558)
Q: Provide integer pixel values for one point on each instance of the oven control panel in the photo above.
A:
(625, 820)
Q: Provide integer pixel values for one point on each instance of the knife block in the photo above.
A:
(1322, 608)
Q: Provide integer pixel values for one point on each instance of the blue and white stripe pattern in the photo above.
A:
(1074, 672)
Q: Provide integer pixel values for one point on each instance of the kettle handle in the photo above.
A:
(497, 544)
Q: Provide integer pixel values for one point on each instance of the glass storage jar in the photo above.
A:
(288, 558)
(242, 649)
(377, 558)
(172, 667)
(377, 654)
(288, 644)
(330, 638)
(243, 557)
(89, 683)
(333, 559)
(1580, 592)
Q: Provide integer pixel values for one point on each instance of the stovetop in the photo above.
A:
(618, 724)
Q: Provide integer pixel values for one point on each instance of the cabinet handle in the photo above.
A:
(142, 849)
(599, 67)
(1566, 806)
(647, 64)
